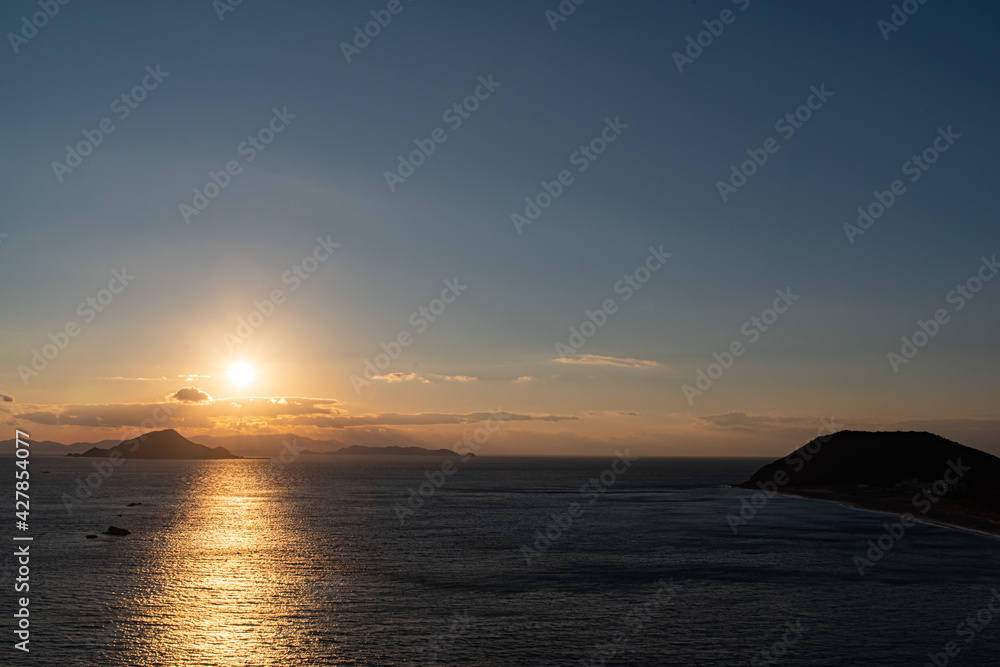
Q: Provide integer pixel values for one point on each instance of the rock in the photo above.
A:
(114, 530)
(91, 537)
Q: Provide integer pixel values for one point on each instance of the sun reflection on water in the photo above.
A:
(223, 581)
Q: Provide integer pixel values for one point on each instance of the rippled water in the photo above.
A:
(233, 563)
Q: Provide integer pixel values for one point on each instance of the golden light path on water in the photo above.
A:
(224, 581)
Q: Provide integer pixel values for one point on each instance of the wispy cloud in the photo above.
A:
(740, 421)
(179, 413)
(620, 413)
(525, 378)
(402, 377)
(424, 418)
(595, 359)
(244, 414)
(455, 378)
(430, 378)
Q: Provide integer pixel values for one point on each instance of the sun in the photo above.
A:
(242, 374)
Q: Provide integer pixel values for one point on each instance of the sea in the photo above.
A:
(486, 561)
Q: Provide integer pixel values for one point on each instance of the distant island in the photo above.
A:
(390, 450)
(253, 446)
(166, 444)
(912, 472)
(169, 444)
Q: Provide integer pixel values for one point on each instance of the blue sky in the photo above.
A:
(655, 185)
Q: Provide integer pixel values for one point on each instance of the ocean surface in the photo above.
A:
(325, 563)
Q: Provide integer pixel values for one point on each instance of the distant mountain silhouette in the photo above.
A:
(391, 450)
(272, 444)
(52, 448)
(882, 459)
(166, 444)
(268, 445)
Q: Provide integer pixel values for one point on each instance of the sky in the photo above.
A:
(258, 200)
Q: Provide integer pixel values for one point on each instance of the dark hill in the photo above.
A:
(882, 460)
(166, 444)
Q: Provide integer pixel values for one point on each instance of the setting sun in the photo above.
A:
(242, 374)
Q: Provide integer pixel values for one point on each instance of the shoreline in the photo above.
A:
(946, 514)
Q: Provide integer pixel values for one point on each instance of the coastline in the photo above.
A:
(947, 513)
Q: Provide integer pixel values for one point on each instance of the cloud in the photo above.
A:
(215, 413)
(621, 413)
(525, 378)
(740, 421)
(251, 413)
(6, 398)
(402, 377)
(190, 395)
(430, 378)
(119, 377)
(455, 378)
(42, 417)
(596, 359)
(424, 418)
